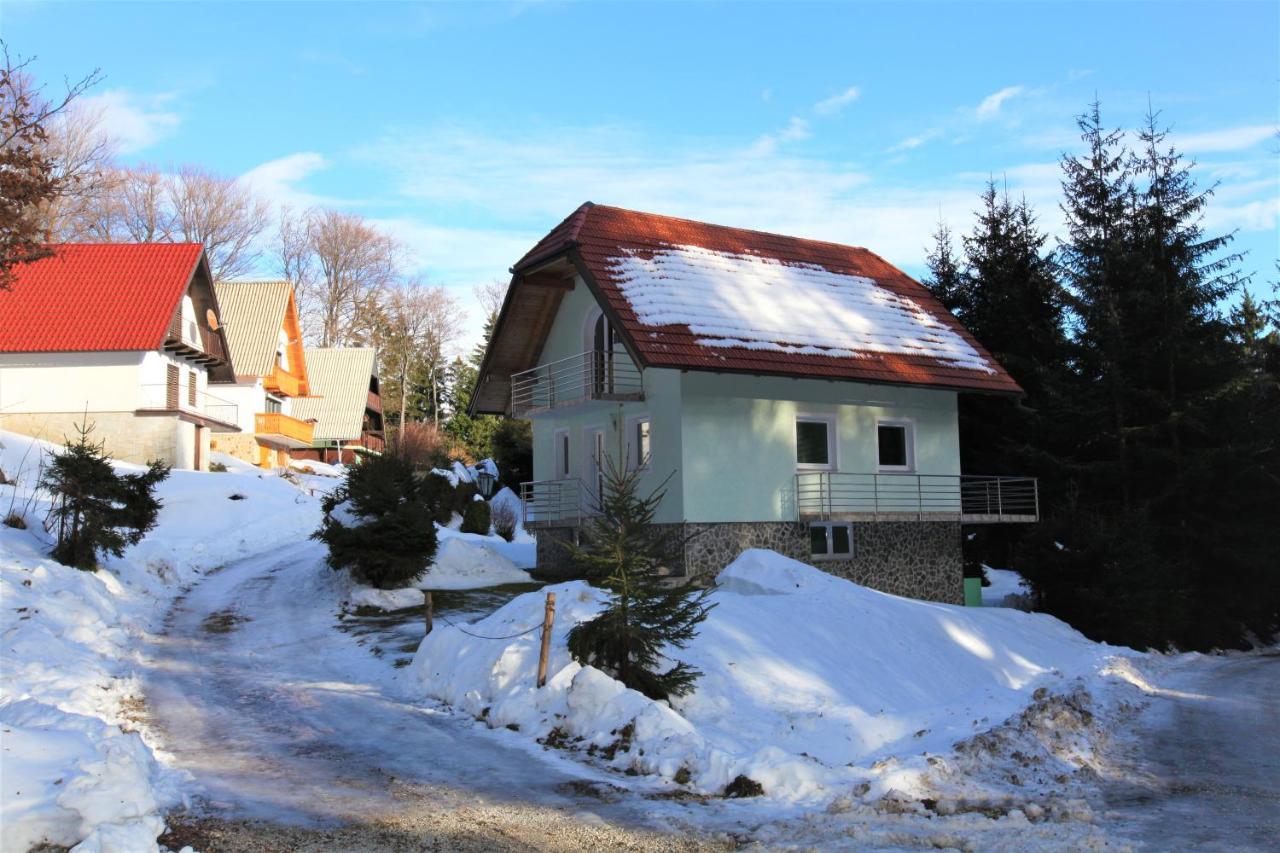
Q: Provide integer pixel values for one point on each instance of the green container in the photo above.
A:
(973, 592)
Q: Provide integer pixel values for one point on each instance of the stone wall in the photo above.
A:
(917, 559)
(127, 436)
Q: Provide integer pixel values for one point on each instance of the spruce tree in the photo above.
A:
(945, 278)
(94, 509)
(625, 553)
(385, 533)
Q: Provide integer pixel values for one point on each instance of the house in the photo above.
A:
(125, 336)
(260, 320)
(345, 404)
(791, 394)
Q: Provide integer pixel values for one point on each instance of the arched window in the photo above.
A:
(600, 338)
(282, 351)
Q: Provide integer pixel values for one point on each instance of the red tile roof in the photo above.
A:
(97, 297)
(601, 235)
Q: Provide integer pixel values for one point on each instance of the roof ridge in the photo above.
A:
(757, 231)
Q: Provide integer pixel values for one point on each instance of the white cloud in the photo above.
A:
(134, 121)
(834, 104)
(992, 103)
(277, 179)
(913, 142)
(796, 130)
(1227, 139)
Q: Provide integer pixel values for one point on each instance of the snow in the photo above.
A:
(463, 561)
(74, 772)
(1007, 589)
(750, 302)
(812, 685)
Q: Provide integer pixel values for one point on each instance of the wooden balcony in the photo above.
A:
(281, 430)
(283, 383)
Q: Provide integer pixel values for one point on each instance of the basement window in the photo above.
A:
(831, 540)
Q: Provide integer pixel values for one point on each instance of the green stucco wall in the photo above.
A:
(738, 438)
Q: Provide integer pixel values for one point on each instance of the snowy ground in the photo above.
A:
(222, 680)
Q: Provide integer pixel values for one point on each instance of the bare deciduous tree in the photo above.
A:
(419, 324)
(491, 295)
(340, 265)
(83, 155)
(29, 176)
(220, 212)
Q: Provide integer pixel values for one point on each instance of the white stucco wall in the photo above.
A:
(72, 381)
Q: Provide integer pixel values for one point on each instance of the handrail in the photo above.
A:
(555, 503)
(590, 375)
(156, 396)
(972, 498)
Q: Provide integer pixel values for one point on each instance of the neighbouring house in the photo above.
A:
(260, 320)
(126, 336)
(791, 394)
(345, 404)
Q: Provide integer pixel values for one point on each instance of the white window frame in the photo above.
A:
(833, 442)
(560, 444)
(831, 555)
(633, 445)
(909, 426)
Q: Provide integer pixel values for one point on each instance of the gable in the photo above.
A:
(340, 381)
(255, 314)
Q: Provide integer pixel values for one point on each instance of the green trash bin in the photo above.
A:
(973, 592)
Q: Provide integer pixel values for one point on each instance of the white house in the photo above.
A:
(125, 336)
(791, 394)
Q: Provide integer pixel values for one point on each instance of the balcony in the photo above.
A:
(283, 383)
(197, 407)
(967, 498)
(578, 379)
(555, 503)
(282, 430)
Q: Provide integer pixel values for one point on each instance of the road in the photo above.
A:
(287, 724)
(1204, 770)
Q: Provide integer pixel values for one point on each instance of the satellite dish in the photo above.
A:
(212, 319)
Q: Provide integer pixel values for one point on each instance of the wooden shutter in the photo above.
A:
(172, 378)
(191, 389)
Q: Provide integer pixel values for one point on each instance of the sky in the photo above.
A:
(470, 129)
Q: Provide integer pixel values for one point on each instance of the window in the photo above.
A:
(895, 440)
(561, 441)
(831, 540)
(814, 447)
(638, 443)
(274, 406)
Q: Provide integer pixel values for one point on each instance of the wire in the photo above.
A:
(452, 624)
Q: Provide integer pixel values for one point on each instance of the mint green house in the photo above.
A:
(800, 396)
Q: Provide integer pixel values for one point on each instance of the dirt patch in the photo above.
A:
(222, 621)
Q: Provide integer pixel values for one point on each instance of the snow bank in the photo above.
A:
(1007, 589)
(812, 685)
(463, 561)
(72, 770)
(730, 300)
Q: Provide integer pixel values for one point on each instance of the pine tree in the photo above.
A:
(379, 524)
(94, 509)
(626, 554)
(945, 278)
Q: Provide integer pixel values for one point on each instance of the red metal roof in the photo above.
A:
(97, 297)
(599, 235)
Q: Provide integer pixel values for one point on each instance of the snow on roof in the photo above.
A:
(696, 296)
(736, 300)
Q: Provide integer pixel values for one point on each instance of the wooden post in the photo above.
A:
(427, 608)
(548, 619)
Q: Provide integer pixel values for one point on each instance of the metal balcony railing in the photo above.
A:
(591, 375)
(555, 503)
(222, 415)
(968, 498)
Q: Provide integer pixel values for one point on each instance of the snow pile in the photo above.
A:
(72, 770)
(463, 561)
(812, 685)
(1007, 589)
(751, 302)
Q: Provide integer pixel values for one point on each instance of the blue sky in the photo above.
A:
(471, 129)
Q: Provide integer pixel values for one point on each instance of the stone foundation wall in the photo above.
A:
(128, 437)
(917, 559)
(240, 445)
